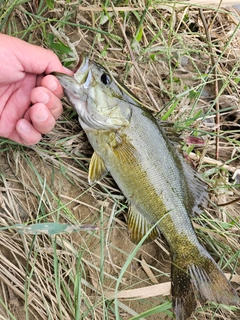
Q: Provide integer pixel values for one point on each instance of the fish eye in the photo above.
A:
(105, 78)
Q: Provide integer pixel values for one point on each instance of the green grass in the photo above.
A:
(77, 273)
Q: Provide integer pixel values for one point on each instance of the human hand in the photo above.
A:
(29, 97)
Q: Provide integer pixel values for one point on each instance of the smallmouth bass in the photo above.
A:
(161, 189)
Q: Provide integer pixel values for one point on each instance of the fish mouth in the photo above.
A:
(69, 84)
(82, 78)
(84, 75)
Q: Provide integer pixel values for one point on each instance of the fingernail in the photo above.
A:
(24, 126)
(43, 97)
(52, 84)
(42, 115)
(69, 72)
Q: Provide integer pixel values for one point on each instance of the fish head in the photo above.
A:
(99, 101)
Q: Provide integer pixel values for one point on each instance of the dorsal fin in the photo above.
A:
(197, 195)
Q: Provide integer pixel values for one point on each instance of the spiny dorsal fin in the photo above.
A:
(138, 227)
(171, 131)
(97, 168)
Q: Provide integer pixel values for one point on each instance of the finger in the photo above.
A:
(20, 57)
(44, 96)
(34, 59)
(41, 118)
(26, 134)
(50, 82)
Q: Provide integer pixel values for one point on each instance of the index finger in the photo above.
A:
(35, 59)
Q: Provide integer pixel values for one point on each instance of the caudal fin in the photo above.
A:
(204, 280)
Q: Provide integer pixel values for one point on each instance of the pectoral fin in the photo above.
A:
(97, 168)
(139, 226)
(123, 149)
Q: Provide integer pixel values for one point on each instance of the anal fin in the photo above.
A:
(139, 226)
(97, 168)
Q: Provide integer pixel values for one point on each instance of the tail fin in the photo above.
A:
(202, 279)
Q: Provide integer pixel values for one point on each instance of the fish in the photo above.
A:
(162, 190)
